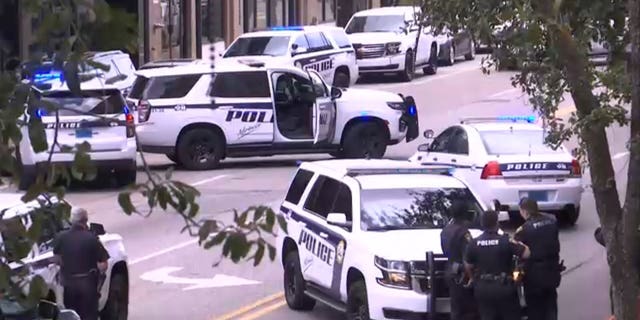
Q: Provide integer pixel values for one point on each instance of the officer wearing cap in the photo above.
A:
(542, 271)
(454, 240)
(80, 255)
(489, 258)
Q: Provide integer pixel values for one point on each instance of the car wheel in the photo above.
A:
(117, 307)
(172, 157)
(357, 302)
(200, 149)
(364, 140)
(451, 56)
(569, 216)
(432, 67)
(341, 79)
(472, 52)
(409, 67)
(294, 285)
(337, 154)
(127, 177)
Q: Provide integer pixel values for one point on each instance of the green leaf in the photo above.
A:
(124, 200)
(194, 208)
(37, 290)
(282, 223)
(270, 219)
(71, 76)
(216, 240)
(163, 197)
(239, 246)
(37, 136)
(258, 255)
(272, 252)
(259, 212)
(83, 147)
(168, 173)
(206, 229)
(98, 65)
(243, 218)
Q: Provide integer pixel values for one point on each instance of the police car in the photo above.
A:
(385, 38)
(100, 116)
(506, 158)
(325, 49)
(114, 291)
(363, 236)
(198, 116)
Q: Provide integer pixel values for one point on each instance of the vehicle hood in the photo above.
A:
(375, 37)
(349, 95)
(405, 245)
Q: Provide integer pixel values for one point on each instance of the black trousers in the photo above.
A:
(463, 306)
(542, 304)
(81, 295)
(497, 301)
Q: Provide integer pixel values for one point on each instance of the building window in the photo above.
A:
(260, 14)
(328, 10)
(212, 21)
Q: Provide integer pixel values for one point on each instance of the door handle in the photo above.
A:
(323, 235)
(454, 160)
(435, 159)
(225, 108)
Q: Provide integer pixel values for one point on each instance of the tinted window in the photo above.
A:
(317, 41)
(516, 142)
(341, 39)
(301, 41)
(322, 196)
(170, 86)
(138, 87)
(259, 46)
(94, 101)
(240, 85)
(441, 142)
(343, 202)
(298, 185)
(459, 144)
(394, 23)
(420, 208)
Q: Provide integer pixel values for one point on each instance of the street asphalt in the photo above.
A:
(173, 278)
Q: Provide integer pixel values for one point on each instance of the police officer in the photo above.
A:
(454, 240)
(542, 271)
(80, 255)
(489, 258)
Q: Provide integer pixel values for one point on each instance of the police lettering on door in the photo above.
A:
(250, 116)
(321, 66)
(316, 247)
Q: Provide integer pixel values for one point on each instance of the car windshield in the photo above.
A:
(416, 208)
(505, 142)
(94, 102)
(394, 23)
(259, 46)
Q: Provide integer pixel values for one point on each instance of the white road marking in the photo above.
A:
(620, 155)
(205, 181)
(163, 251)
(429, 78)
(163, 275)
(503, 92)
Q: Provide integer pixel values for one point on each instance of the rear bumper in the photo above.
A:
(559, 195)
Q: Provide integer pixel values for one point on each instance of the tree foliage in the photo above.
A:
(67, 29)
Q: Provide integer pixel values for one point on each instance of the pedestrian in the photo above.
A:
(454, 239)
(81, 257)
(489, 259)
(542, 271)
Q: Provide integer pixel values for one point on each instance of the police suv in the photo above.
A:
(325, 49)
(114, 291)
(506, 158)
(197, 115)
(100, 116)
(385, 41)
(363, 236)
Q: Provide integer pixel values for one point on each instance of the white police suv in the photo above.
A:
(506, 158)
(363, 236)
(114, 291)
(197, 115)
(100, 116)
(385, 38)
(325, 49)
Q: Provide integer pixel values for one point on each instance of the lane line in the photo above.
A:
(251, 307)
(264, 311)
(163, 251)
(620, 155)
(205, 181)
(503, 92)
(425, 80)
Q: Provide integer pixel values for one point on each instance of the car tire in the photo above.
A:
(364, 140)
(472, 53)
(409, 67)
(569, 217)
(432, 67)
(451, 56)
(339, 154)
(172, 157)
(27, 178)
(126, 177)
(117, 306)
(200, 149)
(294, 284)
(341, 79)
(357, 301)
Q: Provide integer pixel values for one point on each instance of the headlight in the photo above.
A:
(395, 274)
(393, 47)
(396, 105)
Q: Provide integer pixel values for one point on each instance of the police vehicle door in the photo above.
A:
(439, 148)
(319, 55)
(324, 110)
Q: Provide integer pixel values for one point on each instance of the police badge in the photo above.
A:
(340, 252)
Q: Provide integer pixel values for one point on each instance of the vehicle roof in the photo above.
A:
(93, 84)
(387, 11)
(288, 32)
(12, 203)
(240, 65)
(166, 63)
(505, 126)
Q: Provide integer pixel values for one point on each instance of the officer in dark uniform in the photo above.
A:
(489, 258)
(542, 271)
(80, 255)
(454, 240)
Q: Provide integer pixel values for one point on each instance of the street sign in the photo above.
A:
(163, 275)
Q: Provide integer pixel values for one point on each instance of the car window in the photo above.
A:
(318, 86)
(441, 142)
(302, 42)
(51, 226)
(377, 23)
(259, 46)
(90, 101)
(343, 203)
(169, 87)
(503, 142)
(290, 85)
(459, 143)
(341, 39)
(322, 196)
(253, 84)
(138, 87)
(318, 42)
(298, 185)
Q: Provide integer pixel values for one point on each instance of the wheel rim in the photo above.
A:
(359, 310)
(290, 281)
(202, 151)
(409, 63)
(370, 143)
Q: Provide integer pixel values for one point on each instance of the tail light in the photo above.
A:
(144, 110)
(491, 170)
(576, 170)
(131, 128)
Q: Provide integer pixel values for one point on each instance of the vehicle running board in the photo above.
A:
(320, 296)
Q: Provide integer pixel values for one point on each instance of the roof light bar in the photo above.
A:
(287, 28)
(529, 119)
(47, 76)
(441, 170)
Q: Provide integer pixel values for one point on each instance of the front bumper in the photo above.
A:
(383, 64)
(410, 118)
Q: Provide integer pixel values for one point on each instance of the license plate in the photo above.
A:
(540, 196)
(83, 133)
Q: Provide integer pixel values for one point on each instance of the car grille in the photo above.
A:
(369, 51)
(419, 277)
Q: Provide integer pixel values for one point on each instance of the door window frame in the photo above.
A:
(448, 134)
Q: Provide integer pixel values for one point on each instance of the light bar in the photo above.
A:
(371, 171)
(287, 28)
(529, 119)
(42, 77)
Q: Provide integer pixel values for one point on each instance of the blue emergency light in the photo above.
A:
(47, 76)
(41, 113)
(412, 110)
(287, 28)
(529, 119)
(126, 110)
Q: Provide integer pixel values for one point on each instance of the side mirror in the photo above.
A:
(429, 134)
(498, 207)
(68, 314)
(97, 229)
(423, 147)
(336, 93)
(339, 220)
(297, 50)
(48, 310)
